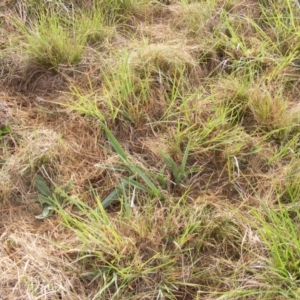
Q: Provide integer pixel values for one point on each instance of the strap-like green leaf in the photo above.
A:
(114, 195)
(47, 211)
(41, 186)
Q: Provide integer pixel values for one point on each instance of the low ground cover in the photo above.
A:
(149, 149)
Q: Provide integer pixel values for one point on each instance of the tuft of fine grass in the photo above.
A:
(49, 42)
(278, 228)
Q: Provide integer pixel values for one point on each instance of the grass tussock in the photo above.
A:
(149, 150)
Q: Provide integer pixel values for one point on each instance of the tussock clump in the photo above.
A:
(130, 95)
(49, 45)
(168, 59)
(254, 106)
(166, 64)
(51, 40)
(234, 96)
(268, 111)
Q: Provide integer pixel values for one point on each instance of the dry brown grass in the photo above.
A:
(31, 267)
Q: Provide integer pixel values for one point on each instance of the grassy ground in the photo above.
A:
(149, 149)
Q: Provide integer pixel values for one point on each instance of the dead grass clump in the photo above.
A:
(268, 111)
(30, 265)
(156, 33)
(287, 182)
(78, 150)
(255, 107)
(167, 59)
(167, 68)
(34, 78)
(194, 19)
(35, 149)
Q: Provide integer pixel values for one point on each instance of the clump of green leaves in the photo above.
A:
(4, 129)
(149, 186)
(179, 172)
(49, 197)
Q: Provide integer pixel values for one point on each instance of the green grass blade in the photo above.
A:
(113, 196)
(134, 169)
(116, 145)
(134, 183)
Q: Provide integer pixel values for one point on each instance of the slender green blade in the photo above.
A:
(116, 145)
(134, 169)
(154, 190)
(185, 158)
(136, 184)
